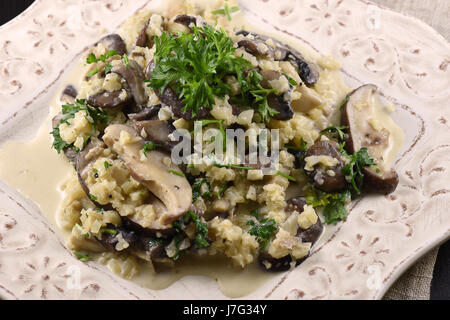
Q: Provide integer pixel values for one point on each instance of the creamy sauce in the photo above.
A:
(37, 171)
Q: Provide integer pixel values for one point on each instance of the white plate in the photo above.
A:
(407, 59)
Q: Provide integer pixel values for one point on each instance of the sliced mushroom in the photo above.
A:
(257, 48)
(309, 100)
(141, 41)
(156, 131)
(114, 42)
(186, 20)
(280, 103)
(69, 94)
(307, 70)
(310, 235)
(70, 154)
(133, 75)
(109, 100)
(328, 179)
(155, 171)
(358, 113)
(169, 98)
(149, 113)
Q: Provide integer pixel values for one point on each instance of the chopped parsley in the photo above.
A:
(58, 143)
(226, 11)
(334, 204)
(109, 231)
(286, 176)
(231, 166)
(93, 59)
(177, 173)
(337, 130)
(93, 198)
(196, 64)
(263, 230)
(221, 190)
(292, 81)
(107, 165)
(200, 188)
(149, 146)
(92, 73)
(126, 61)
(84, 257)
(202, 230)
(353, 170)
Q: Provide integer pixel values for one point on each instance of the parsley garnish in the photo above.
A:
(93, 198)
(353, 169)
(107, 165)
(195, 66)
(92, 73)
(126, 61)
(286, 176)
(95, 116)
(231, 166)
(177, 173)
(262, 230)
(227, 11)
(202, 230)
(292, 81)
(109, 231)
(58, 143)
(334, 204)
(149, 146)
(200, 188)
(108, 68)
(82, 256)
(339, 130)
(93, 59)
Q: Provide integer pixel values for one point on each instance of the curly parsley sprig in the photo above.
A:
(196, 65)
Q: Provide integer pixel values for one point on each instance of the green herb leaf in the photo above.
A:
(202, 231)
(107, 165)
(126, 61)
(200, 188)
(231, 166)
(177, 173)
(353, 170)
(292, 81)
(93, 198)
(339, 130)
(109, 231)
(92, 73)
(263, 230)
(336, 209)
(91, 58)
(149, 146)
(286, 176)
(196, 65)
(84, 257)
(108, 68)
(58, 143)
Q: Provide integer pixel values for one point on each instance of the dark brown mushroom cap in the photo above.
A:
(148, 113)
(186, 20)
(257, 48)
(377, 179)
(69, 94)
(70, 154)
(281, 103)
(109, 100)
(135, 78)
(308, 71)
(141, 40)
(312, 235)
(157, 131)
(131, 224)
(109, 241)
(322, 180)
(114, 42)
(87, 156)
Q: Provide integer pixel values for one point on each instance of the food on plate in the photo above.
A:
(195, 68)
